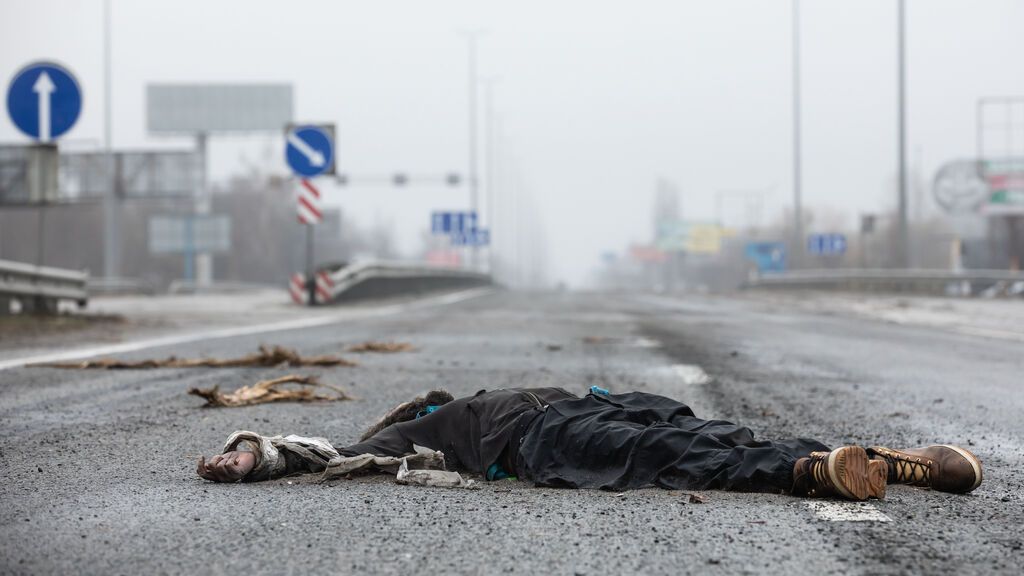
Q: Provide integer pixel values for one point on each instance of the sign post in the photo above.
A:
(189, 235)
(202, 111)
(44, 102)
(309, 151)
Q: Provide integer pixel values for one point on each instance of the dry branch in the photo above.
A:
(267, 391)
(381, 347)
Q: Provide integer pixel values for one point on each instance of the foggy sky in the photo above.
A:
(595, 100)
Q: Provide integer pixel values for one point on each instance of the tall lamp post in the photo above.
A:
(904, 229)
(111, 213)
(489, 162)
(798, 217)
(473, 85)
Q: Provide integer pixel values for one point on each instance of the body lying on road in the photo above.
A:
(607, 441)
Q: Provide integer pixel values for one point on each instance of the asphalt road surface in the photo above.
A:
(98, 466)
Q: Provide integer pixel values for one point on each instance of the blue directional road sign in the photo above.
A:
(475, 237)
(452, 222)
(826, 244)
(44, 100)
(309, 151)
(767, 256)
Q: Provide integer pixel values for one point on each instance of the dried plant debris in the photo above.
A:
(381, 347)
(267, 391)
(266, 357)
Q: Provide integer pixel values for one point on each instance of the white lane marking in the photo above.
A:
(245, 330)
(646, 343)
(847, 511)
(990, 333)
(691, 374)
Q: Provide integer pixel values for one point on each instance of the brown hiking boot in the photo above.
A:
(942, 467)
(878, 474)
(844, 472)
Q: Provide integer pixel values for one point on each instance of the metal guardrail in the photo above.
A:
(963, 283)
(39, 288)
(381, 279)
(191, 287)
(111, 286)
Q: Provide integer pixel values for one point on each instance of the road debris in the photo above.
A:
(694, 498)
(267, 391)
(381, 347)
(267, 357)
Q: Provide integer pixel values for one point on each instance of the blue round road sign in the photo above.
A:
(309, 151)
(44, 100)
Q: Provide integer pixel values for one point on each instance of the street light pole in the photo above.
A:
(904, 229)
(111, 223)
(474, 192)
(489, 168)
(798, 218)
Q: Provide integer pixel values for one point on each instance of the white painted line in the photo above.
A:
(646, 343)
(300, 323)
(990, 333)
(847, 511)
(691, 374)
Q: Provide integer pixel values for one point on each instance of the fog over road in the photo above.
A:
(99, 466)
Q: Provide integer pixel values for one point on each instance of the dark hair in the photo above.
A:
(408, 410)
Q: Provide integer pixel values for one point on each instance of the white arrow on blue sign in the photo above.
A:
(44, 101)
(309, 151)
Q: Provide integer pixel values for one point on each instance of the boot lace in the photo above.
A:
(911, 470)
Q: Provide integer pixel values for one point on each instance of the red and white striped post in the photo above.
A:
(310, 213)
(324, 287)
(309, 209)
(297, 288)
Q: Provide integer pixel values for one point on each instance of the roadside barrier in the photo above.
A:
(386, 279)
(38, 289)
(916, 281)
(111, 286)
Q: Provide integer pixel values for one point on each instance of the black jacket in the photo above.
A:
(472, 432)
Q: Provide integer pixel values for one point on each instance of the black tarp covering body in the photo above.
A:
(632, 440)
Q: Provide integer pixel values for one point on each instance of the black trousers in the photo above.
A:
(632, 440)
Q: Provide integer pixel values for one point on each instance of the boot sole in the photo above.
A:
(878, 474)
(848, 471)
